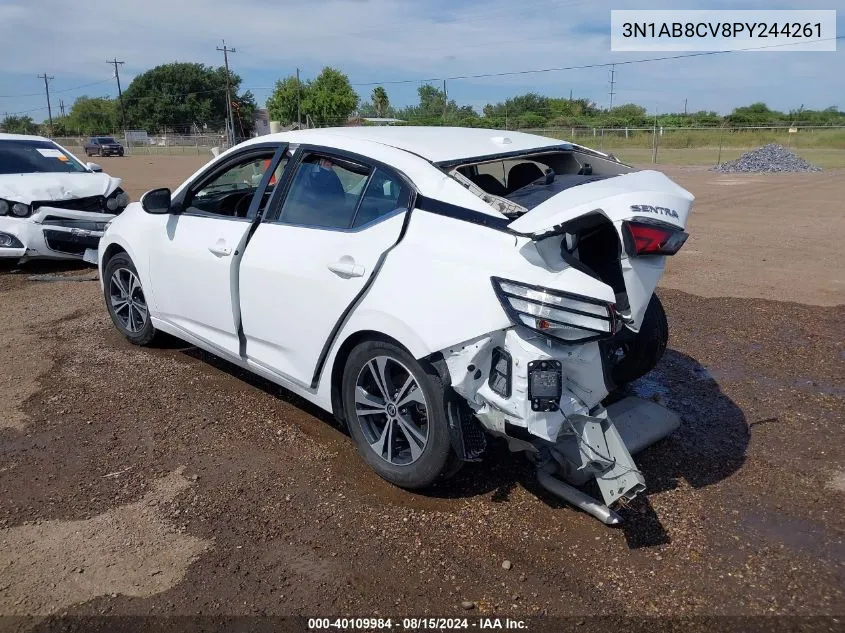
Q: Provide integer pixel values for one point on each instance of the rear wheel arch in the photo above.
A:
(339, 364)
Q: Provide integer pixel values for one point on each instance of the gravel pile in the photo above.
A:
(769, 158)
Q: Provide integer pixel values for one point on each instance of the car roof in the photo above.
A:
(435, 144)
(21, 137)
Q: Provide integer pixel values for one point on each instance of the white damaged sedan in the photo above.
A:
(51, 204)
(431, 287)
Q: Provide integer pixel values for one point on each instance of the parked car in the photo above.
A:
(51, 204)
(103, 146)
(431, 287)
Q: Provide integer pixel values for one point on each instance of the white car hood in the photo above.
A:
(27, 188)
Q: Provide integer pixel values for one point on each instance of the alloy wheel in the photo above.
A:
(391, 410)
(127, 300)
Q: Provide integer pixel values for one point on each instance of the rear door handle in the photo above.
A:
(220, 248)
(346, 267)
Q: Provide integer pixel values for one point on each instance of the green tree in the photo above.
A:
(755, 114)
(329, 99)
(13, 124)
(434, 108)
(281, 106)
(92, 115)
(381, 102)
(181, 96)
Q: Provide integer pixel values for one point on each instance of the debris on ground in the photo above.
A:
(58, 277)
(770, 158)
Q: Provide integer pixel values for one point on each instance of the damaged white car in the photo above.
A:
(429, 286)
(51, 204)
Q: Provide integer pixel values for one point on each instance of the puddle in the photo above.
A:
(800, 535)
(129, 550)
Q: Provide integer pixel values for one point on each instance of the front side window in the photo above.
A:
(36, 157)
(325, 192)
(230, 192)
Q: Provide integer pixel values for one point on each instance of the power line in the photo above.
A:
(587, 66)
(47, 90)
(116, 63)
(38, 94)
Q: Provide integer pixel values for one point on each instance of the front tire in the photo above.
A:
(125, 300)
(395, 411)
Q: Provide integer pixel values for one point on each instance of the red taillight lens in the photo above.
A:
(653, 238)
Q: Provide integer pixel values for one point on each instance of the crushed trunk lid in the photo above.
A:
(641, 194)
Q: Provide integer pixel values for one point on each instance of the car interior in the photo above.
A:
(230, 193)
(504, 177)
(325, 192)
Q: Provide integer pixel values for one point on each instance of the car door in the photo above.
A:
(310, 259)
(193, 262)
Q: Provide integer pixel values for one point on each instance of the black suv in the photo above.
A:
(103, 146)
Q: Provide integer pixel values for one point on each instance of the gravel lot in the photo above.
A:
(165, 481)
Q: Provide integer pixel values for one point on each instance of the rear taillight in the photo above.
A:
(652, 238)
(567, 317)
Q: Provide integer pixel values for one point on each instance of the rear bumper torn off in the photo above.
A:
(576, 440)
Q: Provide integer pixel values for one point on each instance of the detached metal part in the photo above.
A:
(577, 441)
(601, 447)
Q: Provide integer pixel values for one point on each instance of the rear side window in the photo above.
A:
(384, 194)
(325, 192)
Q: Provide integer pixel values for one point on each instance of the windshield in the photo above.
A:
(36, 157)
(106, 140)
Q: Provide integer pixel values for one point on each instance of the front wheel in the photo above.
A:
(125, 300)
(395, 411)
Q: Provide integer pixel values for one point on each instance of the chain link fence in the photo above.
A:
(824, 146)
(705, 146)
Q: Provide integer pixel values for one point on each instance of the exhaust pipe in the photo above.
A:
(574, 496)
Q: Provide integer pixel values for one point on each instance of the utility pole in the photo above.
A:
(62, 107)
(685, 106)
(47, 90)
(445, 101)
(298, 110)
(612, 83)
(115, 63)
(230, 125)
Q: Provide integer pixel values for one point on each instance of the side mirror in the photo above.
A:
(94, 167)
(156, 201)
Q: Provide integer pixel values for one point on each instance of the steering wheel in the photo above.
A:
(242, 206)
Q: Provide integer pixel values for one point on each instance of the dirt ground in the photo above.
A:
(164, 481)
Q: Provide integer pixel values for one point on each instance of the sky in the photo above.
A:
(375, 41)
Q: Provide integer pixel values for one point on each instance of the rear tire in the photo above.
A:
(125, 300)
(395, 411)
(647, 346)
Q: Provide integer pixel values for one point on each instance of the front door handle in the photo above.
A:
(220, 248)
(346, 267)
